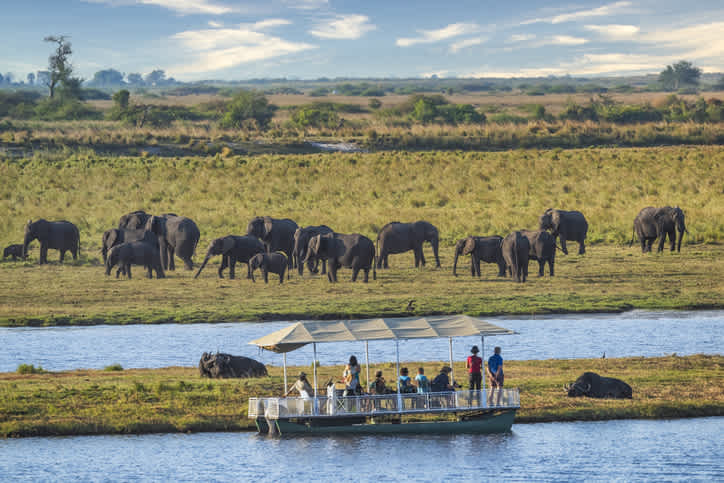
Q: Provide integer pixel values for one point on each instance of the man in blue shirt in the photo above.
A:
(495, 375)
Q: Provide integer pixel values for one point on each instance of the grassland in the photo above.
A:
(460, 192)
(176, 399)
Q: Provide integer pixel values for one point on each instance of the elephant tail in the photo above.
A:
(633, 235)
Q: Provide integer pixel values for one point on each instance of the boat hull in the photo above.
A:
(499, 422)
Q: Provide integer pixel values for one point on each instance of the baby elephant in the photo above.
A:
(268, 262)
(15, 251)
(135, 253)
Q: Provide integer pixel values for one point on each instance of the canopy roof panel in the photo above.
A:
(307, 332)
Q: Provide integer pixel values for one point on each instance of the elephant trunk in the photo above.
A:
(28, 238)
(435, 245)
(208, 255)
(682, 229)
(455, 263)
(109, 264)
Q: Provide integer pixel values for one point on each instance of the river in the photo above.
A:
(636, 333)
(626, 450)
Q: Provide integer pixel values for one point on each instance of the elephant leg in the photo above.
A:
(74, 252)
(265, 274)
(232, 268)
(150, 271)
(501, 269)
(355, 272)
(251, 275)
(564, 249)
(541, 266)
(171, 262)
(367, 275)
(118, 272)
(188, 263)
(281, 275)
(128, 270)
(672, 239)
(62, 255)
(224, 264)
(324, 267)
(422, 256)
(550, 266)
(43, 253)
(582, 247)
(472, 267)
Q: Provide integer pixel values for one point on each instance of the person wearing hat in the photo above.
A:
(302, 386)
(475, 369)
(441, 383)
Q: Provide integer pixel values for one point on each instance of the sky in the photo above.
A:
(308, 39)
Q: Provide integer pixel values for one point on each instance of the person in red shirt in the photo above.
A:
(475, 369)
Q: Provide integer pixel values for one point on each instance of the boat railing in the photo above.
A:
(372, 405)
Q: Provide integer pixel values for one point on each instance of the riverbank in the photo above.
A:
(176, 399)
(606, 279)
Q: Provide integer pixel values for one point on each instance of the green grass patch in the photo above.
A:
(178, 400)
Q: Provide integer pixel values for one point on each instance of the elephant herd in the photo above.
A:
(277, 245)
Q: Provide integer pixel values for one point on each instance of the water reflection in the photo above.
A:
(637, 333)
(629, 450)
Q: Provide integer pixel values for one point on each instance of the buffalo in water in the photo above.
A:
(222, 365)
(591, 384)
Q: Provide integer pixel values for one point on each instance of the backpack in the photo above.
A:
(439, 384)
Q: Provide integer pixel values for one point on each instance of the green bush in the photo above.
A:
(113, 367)
(322, 114)
(248, 106)
(30, 369)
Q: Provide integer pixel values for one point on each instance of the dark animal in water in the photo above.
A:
(591, 384)
(222, 365)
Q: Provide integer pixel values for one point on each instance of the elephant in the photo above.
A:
(591, 384)
(59, 235)
(222, 365)
(15, 251)
(566, 225)
(268, 262)
(353, 251)
(134, 220)
(652, 223)
(233, 249)
(515, 248)
(480, 248)
(542, 248)
(176, 235)
(301, 242)
(396, 237)
(277, 234)
(116, 236)
(135, 253)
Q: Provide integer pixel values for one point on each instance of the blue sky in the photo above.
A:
(236, 40)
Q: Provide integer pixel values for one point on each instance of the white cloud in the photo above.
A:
(431, 36)
(183, 7)
(215, 25)
(270, 23)
(343, 27)
(564, 40)
(464, 44)
(615, 32)
(306, 4)
(216, 49)
(521, 37)
(703, 41)
(603, 11)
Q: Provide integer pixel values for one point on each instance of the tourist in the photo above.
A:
(351, 378)
(378, 386)
(302, 386)
(441, 383)
(474, 365)
(423, 383)
(495, 375)
(406, 386)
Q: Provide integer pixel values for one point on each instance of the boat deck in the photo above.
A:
(334, 406)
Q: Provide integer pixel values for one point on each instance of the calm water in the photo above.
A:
(629, 450)
(636, 333)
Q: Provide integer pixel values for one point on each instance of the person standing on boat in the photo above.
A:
(351, 378)
(474, 365)
(495, 375)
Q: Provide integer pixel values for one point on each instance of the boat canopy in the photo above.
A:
(308, 332)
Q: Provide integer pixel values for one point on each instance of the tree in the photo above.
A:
(31, 79)
(156, 78)
(59, 66)
(121, 98)
(134, 79)
(681, 74)
(248, 105)
(107, 77)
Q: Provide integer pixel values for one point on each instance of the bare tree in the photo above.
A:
(59, 66)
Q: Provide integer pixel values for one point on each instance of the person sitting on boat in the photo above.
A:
(406, 386)
(423, 383)
(495, 375)
(441, 383)
(378, 386)
(351, 378)
(302, 386)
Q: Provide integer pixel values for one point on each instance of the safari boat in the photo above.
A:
(418, 413)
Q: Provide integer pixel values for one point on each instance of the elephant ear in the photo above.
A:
(267, 226)
(227, 244)
(469, 245)
(339, 248)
